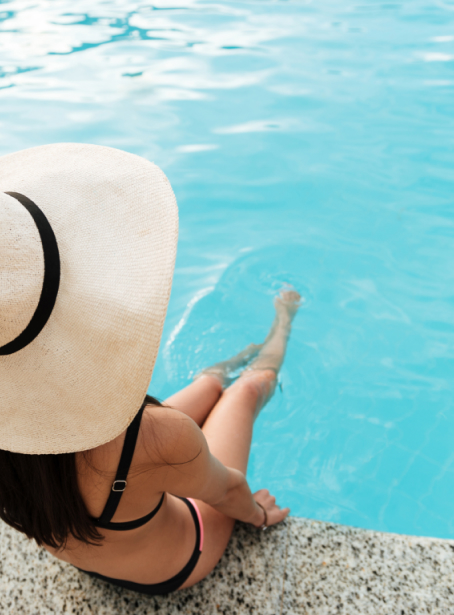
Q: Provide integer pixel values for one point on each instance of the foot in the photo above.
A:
(263, 370)
(272, 351)
(288, 303)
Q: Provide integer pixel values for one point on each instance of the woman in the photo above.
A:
(133, 492)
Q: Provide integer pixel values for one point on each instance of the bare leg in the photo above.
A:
(228, 427)
(225, 370)
(271, 355)
(198, 399)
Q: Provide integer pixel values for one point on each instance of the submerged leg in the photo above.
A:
(225, 370)
(228, 436)
(271, 356)
(198, 399)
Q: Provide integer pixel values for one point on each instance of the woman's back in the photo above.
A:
(156, 550)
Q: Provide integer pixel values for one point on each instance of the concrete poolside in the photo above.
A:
(299, 567)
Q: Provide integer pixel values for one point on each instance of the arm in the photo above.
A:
(188, 469)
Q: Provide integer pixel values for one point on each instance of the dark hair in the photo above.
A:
(40, 497)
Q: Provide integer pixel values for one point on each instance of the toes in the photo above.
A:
(290, 296)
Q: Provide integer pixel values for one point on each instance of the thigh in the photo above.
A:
(217, 532)
(197, 399)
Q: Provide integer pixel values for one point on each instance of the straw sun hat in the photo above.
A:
(88, 238)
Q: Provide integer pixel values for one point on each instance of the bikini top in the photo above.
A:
(119, 484)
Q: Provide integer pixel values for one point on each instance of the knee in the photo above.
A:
(256, 384)
(212, 383)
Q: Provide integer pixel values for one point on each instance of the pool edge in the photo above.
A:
(300, 566)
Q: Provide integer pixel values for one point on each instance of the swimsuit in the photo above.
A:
(104, 521)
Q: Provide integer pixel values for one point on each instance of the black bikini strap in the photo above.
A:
(119, 484)
(120, 526)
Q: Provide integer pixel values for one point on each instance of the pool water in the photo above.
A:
(310, 143)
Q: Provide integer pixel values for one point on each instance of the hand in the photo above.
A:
(273, 512)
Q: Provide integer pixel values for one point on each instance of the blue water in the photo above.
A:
(308, 142)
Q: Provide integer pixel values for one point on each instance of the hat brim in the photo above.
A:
(82, 380)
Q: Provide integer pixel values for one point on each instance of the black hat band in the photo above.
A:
(51, 281)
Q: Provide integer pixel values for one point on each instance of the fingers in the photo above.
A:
(273, 512)
(285, 512)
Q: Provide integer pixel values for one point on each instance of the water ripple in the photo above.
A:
(308, 143)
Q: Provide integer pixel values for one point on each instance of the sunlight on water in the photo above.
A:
(308, 143)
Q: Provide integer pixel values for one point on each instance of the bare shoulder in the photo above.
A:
(168, 436)
(174, 448)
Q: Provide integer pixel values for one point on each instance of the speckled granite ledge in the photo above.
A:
(299, 567)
